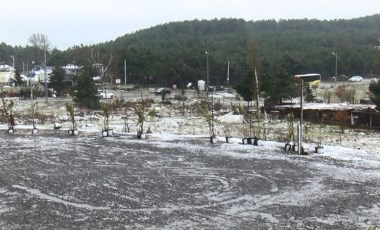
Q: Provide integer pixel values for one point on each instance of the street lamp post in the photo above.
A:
(212, 113)
(336, 64)
(228, 74)
(207, 73)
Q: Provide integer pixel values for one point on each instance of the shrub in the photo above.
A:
(180, 97)
(218, 106)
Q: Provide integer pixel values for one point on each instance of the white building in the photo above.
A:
(7, 75)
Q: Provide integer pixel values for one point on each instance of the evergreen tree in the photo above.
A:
(18, 78)
(309, 96)
(277, 83)
(85, 90)
(245, 88)
(173, 53)
(57, 80)
(374, 88)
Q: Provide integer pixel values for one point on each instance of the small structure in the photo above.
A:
(365, 119)
(201, 85)
(355, 115)
(7, 75)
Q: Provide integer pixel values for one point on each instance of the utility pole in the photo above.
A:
(207, 75)
(300, 128)
(207, 71)
(13, 61)
(45, 77)
(336, 65)
(125, 72)
(228, 74)
(257, 95)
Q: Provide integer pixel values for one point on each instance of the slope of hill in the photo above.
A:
(300, 45)
(174, 53)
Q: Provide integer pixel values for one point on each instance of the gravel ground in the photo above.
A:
(53, 181)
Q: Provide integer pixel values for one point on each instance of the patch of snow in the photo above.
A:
(231, 118)
(41, 195)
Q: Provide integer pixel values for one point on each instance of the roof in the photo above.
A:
(332, 106)
(6, 68)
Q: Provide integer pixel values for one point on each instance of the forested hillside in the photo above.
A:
(174, 53)
(300, 46)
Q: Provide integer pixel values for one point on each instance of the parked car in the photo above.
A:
(162, 91)
(355, 79)
(105, 95)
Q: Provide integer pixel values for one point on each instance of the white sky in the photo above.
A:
(75, 22)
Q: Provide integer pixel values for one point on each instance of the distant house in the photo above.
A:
(39, 73)
(7, 75)
(72, 69)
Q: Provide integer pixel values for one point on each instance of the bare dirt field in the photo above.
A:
(53, 181)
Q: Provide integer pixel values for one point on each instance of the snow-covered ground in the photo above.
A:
(173, 121)
(176, 179)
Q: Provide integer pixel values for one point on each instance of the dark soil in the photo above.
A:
(53, 181)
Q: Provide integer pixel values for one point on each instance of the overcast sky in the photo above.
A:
(74, 22)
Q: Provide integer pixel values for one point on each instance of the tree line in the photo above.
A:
(174, 53)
